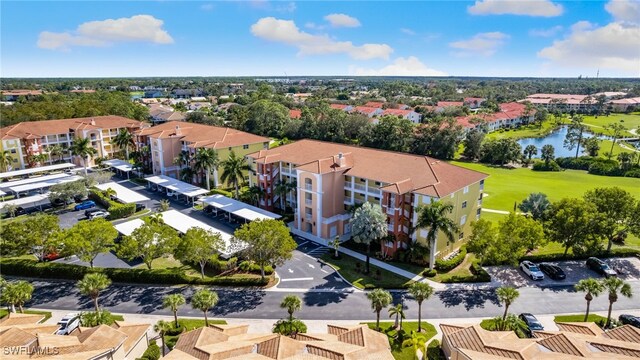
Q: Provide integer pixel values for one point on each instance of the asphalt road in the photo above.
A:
(305, 271)
(321, 303)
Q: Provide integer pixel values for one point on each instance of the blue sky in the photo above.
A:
(274, 38)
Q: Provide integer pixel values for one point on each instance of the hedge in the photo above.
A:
(254, 268)
(226, 193)
(32, 268)
(152, 352)
(615, 252)
(444, 266)
(597, 166)
(542, 166)
(116, 209)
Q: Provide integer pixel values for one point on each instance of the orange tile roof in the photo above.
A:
(295, 114)
(374, 104)
(512, 110)
(202, 135)
(365, 109)
(21, 92)
(397, 112)
(449, 103)
(42, 128)
(421, 174)
(338, 106)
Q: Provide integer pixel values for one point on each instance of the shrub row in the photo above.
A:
(116, 209)
(152, 353)
(226, 193)
(32, 268)
(478, 274)
(615, 252)
(444, 266)
(542, 166)
(251, 267)
(597, 166)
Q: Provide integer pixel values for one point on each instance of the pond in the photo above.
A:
(556, 138)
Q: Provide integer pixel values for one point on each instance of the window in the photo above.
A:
(463, 219)
(307, 198)
(464, 204)
(481, 184)
(230, 149)
(478, 213)
(307, 184)
(377, 183)
(466, 189)
(245, 147)
(460, 236)
(333, 231)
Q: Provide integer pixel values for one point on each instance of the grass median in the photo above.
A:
(377, 278)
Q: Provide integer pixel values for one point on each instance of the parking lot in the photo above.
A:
(575, 271)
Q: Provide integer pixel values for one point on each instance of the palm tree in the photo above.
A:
(206, 160)
(5, 160)
(292, 303)
(434, 217)
(547, 153)
(164, 205)
(335, 244)
(536, 204)
(529, 152)
(397, 311)
(91, 285)
(510, 323)
(56, 151)
(173, 301)
(11, 209)
(418, 342)
(82, 147)
(421, 292)
(253, 194)
(380, 299)
(109, 192)
(625, 160)
(506, 295)
(613, 285)
(593, 288)
(204, 300)
(368, 224)
(123, 140)
(233, 170)
(162, 327)
(616, 131)
(16, 293)
(283, 189)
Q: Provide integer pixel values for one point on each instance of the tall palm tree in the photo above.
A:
(292, 303)
(82, 147)
(162, 327)
(421, 292)
(204, 300)
(435, 218)
(109, 192)
(281, 190)
(506, 295)
(254, 194)
(56, 151)
(91, 285)
(368, 224)
(5, 160)
(206, 160)
(233, 170)
(173, 301)
(625, 160)
(615, 285)
(123, 140)
(398, 311)
(593, 288)
(418, 342)
(380, 299)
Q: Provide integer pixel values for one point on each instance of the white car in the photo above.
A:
(531, 270)
(68, 323)
(98, 214)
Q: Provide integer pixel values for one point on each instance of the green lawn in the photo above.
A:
(597, 124)
(460, 270)
(399, 352)
(527, 131)
(579, 318)
(505, 187)
(346, 266)
(47, 315)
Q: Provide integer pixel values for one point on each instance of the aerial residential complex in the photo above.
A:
(331, 178)
(510, 115)
(26, 139)
(169, 140)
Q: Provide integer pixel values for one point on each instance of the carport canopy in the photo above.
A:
(177, 186)
(238, 208)
(121, 165)
(32, 180)
(35, 199)
(35, 170)
(123, 194)
(127, 228)
(44, 184)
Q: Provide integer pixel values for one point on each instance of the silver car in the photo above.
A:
(68, 323)
(98, 214)
(531, 270)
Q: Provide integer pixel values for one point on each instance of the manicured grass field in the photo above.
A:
(629, 121)
(579, 318)
(528, 131)
(346, 266)
(47, 315)
(399, 352)
(506, 187)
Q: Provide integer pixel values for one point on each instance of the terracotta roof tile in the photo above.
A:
(42, 128)
(202, 135)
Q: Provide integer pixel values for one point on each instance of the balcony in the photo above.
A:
(390, 227)
(360, 187)
(374, 191)
(391, 211)
(308, 217)
(308, 187)
(286, 171)
(308, 201)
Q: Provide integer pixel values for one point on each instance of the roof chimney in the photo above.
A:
(93, 121)
(178, 131)
(341, 160)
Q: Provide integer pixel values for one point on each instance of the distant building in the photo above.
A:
(411, 115)
(295, 113)
(368, 111)
(374, 104)
(187, 93)
(510, 115)
(565, 102)
(13, 95)
(474, 103)
(622, 105)
(342, 107)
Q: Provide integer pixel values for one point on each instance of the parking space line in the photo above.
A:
(297, 279)
(304, 243)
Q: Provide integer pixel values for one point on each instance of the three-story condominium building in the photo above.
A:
(169, 141)
(332, 178)
(26, 139)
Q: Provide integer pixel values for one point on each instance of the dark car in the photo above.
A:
(532, 323)
(552, 271)
(140, 207)
(58, 202)
(600, 267)
(627, 319)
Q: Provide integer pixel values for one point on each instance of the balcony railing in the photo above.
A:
(359, 187)
(374, 191)
(308, 201)
(308, 217)
(390, 227)
(308, 187)
(391, 211)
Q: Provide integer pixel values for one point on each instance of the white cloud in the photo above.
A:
(286, 31)
(544, 8)
(269, 6)
(410, 66)
(139, 28)
(408, 31)
(484, 44)
(206, 7)
(613, 46)
(545, 32)
(624, 10)
(342, 20)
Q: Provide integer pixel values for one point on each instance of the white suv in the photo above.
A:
(68, 323)
(98, 214)
(531, 270)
